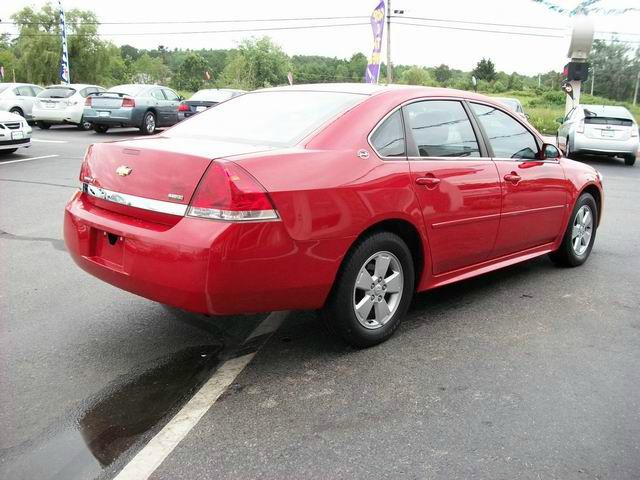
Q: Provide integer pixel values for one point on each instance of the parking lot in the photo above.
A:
(529, 372)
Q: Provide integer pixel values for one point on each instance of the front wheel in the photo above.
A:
(567, 150)
(101, 128)
(148, 124)
(372, 291)
(580, 234)
(630, 159)
(43, 125)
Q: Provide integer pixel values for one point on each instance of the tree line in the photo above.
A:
(34, 56)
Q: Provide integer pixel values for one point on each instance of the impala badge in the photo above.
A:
(123, 170)
(175, 196)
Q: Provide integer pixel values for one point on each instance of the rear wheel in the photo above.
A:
(148, 126)
(372, 291)
(43, 125)
(581, 233)
(630, 159)
(84, 125)
(101, 128)
(17, 111)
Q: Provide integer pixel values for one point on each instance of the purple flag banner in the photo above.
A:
(377, 25)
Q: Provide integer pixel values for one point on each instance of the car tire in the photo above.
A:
(100, 128)
(364, 308)
(43, 125)
(17, 111)
(567, 150)
(630, 159)
(576, 247)
(8, 151)
(148, 126)
(84, 126)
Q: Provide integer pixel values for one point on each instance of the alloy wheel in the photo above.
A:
(582, 230)
(150, 123)
(378, 290)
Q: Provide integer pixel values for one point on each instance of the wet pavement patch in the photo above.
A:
(117, 418)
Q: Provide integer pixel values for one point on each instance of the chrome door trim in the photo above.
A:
(134, 201)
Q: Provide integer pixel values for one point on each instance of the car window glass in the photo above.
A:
(35, 90)
(388, 139)
(508, 137)
(570, 114)
(24, 91)
(157, 94)
(170, 95)
(441, 128)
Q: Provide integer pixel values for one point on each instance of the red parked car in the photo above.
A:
(343, 197)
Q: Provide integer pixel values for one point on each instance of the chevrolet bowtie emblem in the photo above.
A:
(123, 170)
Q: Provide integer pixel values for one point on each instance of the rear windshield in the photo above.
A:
(621, 122)
(131, 90)
(57, 92)
(3, 87)
(213, 95)
(280, 118)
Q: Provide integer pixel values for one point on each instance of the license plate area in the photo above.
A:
(107, 248)
(608, 133)
(17, 135)
(200, 109)
(104, 114)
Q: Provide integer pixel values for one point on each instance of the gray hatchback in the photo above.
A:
(143, 106)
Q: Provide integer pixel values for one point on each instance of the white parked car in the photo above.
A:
(15, 132)
(600, 130)
(18, 98)
(63, 104)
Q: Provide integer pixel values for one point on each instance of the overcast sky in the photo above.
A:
(410, 45)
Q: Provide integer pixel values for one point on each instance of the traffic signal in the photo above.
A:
(576, 71)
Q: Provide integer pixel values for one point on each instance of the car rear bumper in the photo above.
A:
(201, 265)
(57, 115)
(598, 145)
(115, 117)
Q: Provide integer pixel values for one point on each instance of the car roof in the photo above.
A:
(72, 85)
(608, 110)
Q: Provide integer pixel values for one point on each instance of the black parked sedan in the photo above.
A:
(203, 99)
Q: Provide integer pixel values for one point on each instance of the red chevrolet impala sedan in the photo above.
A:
(343, 197)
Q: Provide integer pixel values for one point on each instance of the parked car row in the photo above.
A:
(146, 107)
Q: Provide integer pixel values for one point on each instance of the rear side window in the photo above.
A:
(24, 91)
(57, 92)
(388, 139)
(157, 94)
(36, 90)
(441, 128)
(508, 137)
(619, 122)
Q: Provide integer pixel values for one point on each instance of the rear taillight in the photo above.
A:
(128, 102)
(85, 171)
(183, 107)
(87, 102)
(634, 131)
(580, 128)
(228, 192)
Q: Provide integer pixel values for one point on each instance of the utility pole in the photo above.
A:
(539, 80)
(389, 75)
(635, 93)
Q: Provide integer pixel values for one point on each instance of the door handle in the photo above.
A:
(513, 177)
(429, 182)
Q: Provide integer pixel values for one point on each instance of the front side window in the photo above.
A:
(171, 95)
(441, 128)
(157, 94)
(508, 137)
(388, 139)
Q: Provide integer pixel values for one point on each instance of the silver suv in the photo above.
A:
(601, 130)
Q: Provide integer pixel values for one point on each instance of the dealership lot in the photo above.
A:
(530, 372)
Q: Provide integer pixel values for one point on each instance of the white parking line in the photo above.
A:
(159, 447)
(27, 159)
(48, 141)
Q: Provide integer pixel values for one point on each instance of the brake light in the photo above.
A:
(87, 102)
(128, 102)
(580, 128)
(228, 192)
(85, 171)
(183, 107)
(634, 131)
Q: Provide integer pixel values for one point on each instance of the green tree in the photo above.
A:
(442, 74)
(147, 69)
(255, 64)
(416, 76)
(615, 66)
(190, 74)
(485, 70)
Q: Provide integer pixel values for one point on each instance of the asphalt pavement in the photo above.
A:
(530, 372)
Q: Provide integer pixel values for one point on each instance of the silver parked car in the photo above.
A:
(18, 98)
(203, 99)
(601, 130)
(513, 104)
(143, 106)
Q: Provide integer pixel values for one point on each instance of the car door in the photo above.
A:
(173, 102)
(24, 99)
(534, 192)
(565, 127)
(456, 183)
(161, 105)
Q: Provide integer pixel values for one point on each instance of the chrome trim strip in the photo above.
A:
(532, 210)
(135, 201)
(464, 221)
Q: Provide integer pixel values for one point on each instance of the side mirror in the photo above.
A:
(549, 151)
(180, 97)
(560, 120)
(526, 115)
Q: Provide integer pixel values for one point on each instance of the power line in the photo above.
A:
(243, 30)
(537, 27)
(504, 32)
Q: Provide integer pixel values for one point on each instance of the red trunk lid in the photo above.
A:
(157, 168)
